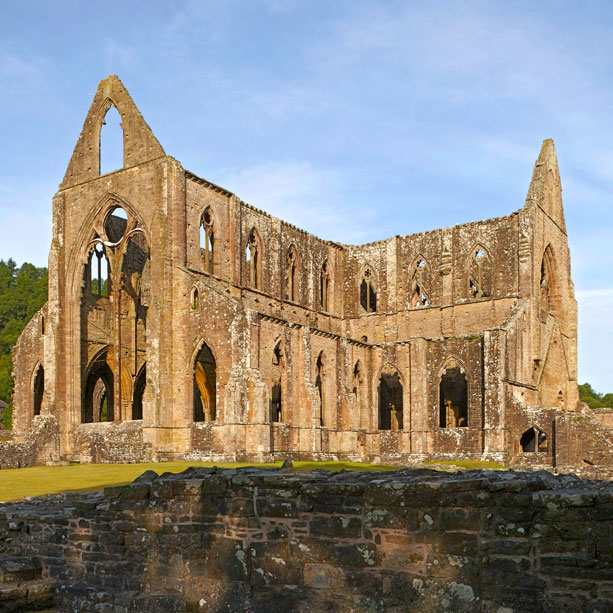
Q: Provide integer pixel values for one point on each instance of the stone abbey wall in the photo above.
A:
(184, 323)
(269, 540)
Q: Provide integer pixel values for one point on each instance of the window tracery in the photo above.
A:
(420, 284)
(368, 292)
(480, 274)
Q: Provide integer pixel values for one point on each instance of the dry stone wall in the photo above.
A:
(265, 540)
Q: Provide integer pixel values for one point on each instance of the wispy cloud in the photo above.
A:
(307, 197)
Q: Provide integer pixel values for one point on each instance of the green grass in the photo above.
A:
(469, 464)
(15, 483)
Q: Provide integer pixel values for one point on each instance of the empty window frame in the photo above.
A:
(292, 280)
(453, 394)
(99, 272)
(479, 274)
(254, 256)
(320, 376)
(390, 400)
(420, 284)
(368, 292)
(207, 241)
(205, 373)
(324, 286)
(38, 389)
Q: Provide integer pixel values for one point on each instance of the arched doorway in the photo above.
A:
(38, 389)
(453, 389)
(534, 440)
(205, 385)
(390, 400)
(98, 391)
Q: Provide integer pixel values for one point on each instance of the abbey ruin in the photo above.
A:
(184, 323)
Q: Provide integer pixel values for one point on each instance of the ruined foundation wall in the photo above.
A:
(271, 540)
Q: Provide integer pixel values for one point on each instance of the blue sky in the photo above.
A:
(355, 120)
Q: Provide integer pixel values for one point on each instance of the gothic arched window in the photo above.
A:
(421, 280)
(207, 241)
(480, 274)
(292, 280)
(253, 256)
(368, 292)
(324, 285)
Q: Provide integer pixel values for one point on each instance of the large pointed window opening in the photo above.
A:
(453, 392)
(480, 274)
(139, 392)
(98, 392)
(324, 285)
(420, 284)
(390, 400)
(111, 142)
(205, 382)
(38, 389)
(253, 256)
(207, 241)
(368, 292)
(292, 263)
(534, 440)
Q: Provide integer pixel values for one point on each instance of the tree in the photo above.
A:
(23, 291)
(593, 399)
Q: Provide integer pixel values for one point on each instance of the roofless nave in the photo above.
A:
(182, 322)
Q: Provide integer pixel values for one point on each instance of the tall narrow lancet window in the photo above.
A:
(368, 292)
(207, 241)
(453, 391)
(357, 387)
(390, 400)
(292, 262)
(276, 396)
(420, 284)
(253, 256)
(99, 272)
(111, 142)
(320, 387)
(139, 392)
(548, 286)
(324, 285)
(480, 274)
(39, 389)
(205, 406)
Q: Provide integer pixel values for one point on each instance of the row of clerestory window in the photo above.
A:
(479, 273)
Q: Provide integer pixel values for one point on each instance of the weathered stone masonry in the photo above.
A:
(182, 322)
(266, 540)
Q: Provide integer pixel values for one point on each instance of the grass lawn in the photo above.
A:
(470, 464)
(15, 483)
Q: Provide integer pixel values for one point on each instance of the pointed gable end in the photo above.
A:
(140, 145)
(545, 188)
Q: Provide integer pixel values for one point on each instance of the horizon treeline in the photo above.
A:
(23, 290)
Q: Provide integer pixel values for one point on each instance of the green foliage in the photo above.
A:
(593, 399)
(22, 292)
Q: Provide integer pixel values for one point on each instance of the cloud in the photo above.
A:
(305, 196)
